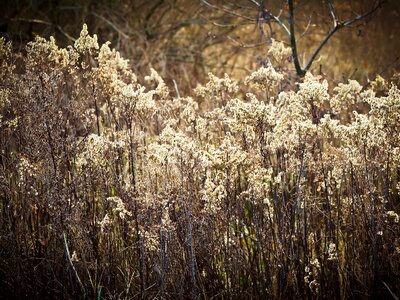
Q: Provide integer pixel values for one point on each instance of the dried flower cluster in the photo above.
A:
(279, 51)
(242, 190)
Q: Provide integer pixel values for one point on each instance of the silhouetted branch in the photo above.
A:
(273, 17)
(338, 25)
(293, 43)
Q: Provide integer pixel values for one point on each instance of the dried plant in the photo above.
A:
(112, 188)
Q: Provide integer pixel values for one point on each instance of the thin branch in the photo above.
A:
(338, 26)
(279, 23)
(237, 5)
(332, 12)
(176, 88)
(119, 31)
(225, 25)
(273, 17)
(390, 291)
(241, 45)
(307, 27)
(281, 9)
(378, 4)
(325, 40)
(227, 11)
(38, 21)
(71, 263)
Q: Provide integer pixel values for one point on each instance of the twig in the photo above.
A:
(176, 88)
(273, 17)
(72, 264)
(241, 45)
(227, 11)
(38, 21)
(377, 5)
(339, 25)
(332, 12)
(390, 291)
(120, 32)
(324, 41)
(307, 27)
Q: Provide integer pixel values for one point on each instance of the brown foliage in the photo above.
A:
(111, 187)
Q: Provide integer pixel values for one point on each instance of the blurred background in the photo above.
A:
(185, 39)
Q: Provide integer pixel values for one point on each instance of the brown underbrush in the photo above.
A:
(114, 187)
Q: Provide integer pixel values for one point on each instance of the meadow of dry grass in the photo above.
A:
(115, 186)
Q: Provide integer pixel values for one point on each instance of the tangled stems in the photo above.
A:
(239, 190)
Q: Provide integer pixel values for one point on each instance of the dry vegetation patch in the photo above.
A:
(114, 187)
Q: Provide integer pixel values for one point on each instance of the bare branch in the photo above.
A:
(282, 8)
(307, 27)
(377, 5)
(332, 12)
(273, 17)
(240, 44)
(71, 263)
(227, 11)
(176, 89)
(38, 21)
(119, 31)
(338, 26)
(325, 40)
(217, 24)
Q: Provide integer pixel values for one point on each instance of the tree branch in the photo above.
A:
(338, 26)
(378, 4)
(293, 43)
(325, 40)
(273, 17)
(332, 12)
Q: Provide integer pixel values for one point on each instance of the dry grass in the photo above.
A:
(111, 188)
